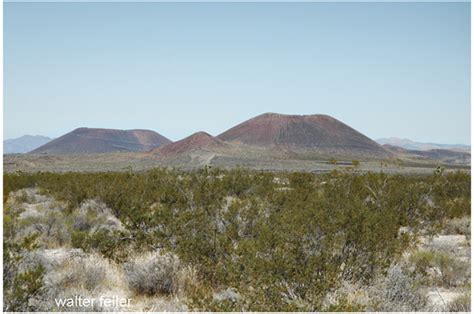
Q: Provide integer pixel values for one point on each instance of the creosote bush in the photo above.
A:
(21, 287)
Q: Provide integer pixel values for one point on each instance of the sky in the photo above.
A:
(385, 69)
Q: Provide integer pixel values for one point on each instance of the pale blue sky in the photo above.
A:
(386, 69)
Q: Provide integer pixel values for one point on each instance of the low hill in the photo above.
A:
(197, 141)
(92, 140)
(24, 144)
(306, 135)
(440, 155)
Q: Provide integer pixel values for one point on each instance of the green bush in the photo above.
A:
(20, 286)
(111, 244)
(451, 271)
(281, 240)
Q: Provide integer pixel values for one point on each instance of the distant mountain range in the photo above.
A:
(91, 140)
(440, 155)
(24, 144)
(411, 145)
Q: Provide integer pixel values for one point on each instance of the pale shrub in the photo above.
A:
(440, 268)
(459, 226)
(94, 215)
(454, 272)
(461, 304)
(186, 277)
(50, 259)
(153, 273)
(397, 292)
(50, 228)
(55, 227)
(88, 273)
(72, 273)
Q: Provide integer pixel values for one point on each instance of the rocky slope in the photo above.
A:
(305, 135)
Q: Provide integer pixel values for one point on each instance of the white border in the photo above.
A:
(196, 1)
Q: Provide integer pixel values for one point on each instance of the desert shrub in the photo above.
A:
(70, 273)
(88, 273)
(279, 248)
(397, 292)
(452, 194)
(461, 304)
(91, 227)
(110, 243)
(460, 225)
(95, 229)
(25, 288)
(343, 305)
(152, 273)
(22, 197)
(422, 260)
(50, 226)
(79, 239)
(21, 287)
(443, 268)
(93, 215)
(85, 219)
(454, 272)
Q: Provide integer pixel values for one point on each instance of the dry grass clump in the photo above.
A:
(153, 273)
(458, 226)
(88, 273)
(70, 273)
(24, 196)
(397, 292)
(440, 268)
(461, 304)
(348, 297)
(21, 196)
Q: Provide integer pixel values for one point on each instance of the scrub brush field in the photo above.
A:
(236, 240)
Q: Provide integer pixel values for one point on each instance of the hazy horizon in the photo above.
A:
(385, 69)
(373, 138)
